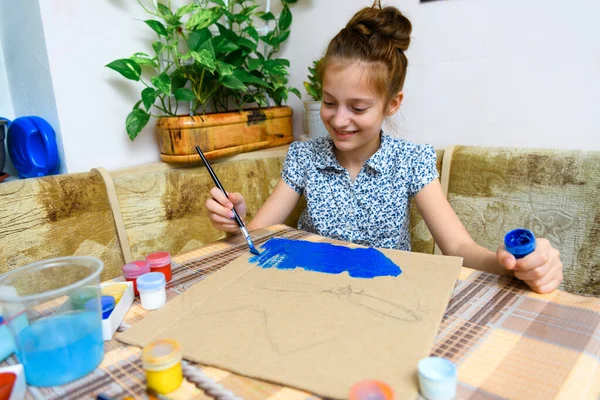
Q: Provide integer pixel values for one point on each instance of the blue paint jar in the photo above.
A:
(519, 242)
(107, 304)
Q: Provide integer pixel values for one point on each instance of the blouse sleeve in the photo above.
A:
(294, 169)
(424, 168)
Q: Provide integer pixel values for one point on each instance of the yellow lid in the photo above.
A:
(161, 354)
(115, 290)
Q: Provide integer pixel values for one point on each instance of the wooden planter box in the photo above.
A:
(223, 134)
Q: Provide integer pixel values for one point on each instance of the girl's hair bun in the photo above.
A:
(382, 24)
(374, 35)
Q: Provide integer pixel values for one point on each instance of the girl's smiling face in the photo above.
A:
(353, 111)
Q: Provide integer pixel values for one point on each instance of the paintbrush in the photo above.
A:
(235, 214)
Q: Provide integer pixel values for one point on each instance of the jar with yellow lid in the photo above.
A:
(162, 362)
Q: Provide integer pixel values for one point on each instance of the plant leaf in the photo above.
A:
(157, 27)
(219, 2)
(268, 39)
(251, 31)
(254, 64)
(249, 44)
(204, 18)
(296, 92)
(248, 10)
(236, 58)
(163, 10)
(246, 77)
(157, 47)
(224, 68)
(181, 11)
(126, 67)
(184, 94)
(233, 83)
(285, 19)
(135, 122)
(265, 16)
(227, 33)
(204, 58)
(223, 45)
(281, 61)
(178, 79)
(149, 96)
(162, 82)
(143, 59)
(197, 38)
(282, 37)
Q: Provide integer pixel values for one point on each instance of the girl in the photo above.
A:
(358, 182)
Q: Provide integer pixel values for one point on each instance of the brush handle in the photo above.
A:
(218, 183)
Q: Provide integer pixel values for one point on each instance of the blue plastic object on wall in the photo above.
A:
(31, 144)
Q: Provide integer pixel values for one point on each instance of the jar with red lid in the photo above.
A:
(133, 270)
(160, 262)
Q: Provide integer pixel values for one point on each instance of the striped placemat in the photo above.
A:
(507, 341)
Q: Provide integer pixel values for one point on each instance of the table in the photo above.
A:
(507, 341)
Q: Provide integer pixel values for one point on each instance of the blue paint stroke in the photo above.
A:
(324, 257)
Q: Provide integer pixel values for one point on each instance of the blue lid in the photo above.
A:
(437, 378)
(107, 302)
(31, 144)
(519, 242)
(1, 319)
(151, 281)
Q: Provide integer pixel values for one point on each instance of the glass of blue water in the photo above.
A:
(56, 339)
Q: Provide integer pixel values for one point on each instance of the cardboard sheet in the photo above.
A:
(314, 331)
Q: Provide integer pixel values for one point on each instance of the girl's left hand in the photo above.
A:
(541, 270)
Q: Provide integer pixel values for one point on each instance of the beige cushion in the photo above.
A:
(163, 209)
(420, 237)
(554, 193)
(57, 216)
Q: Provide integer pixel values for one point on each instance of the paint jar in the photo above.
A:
(115, 290)
(437, 378)
(134, 269)
(162, 362)
(160, 262)
(107, 305)
(519, 242)
(56, 342)
(153, 294)
(371, 390)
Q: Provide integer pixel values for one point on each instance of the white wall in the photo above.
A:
(6, 107)
(482, 72)
(93, 101)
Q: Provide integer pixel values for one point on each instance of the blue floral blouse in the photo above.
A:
(372, 210)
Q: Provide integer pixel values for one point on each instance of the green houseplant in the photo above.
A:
(313, 125)
(208, 56)
(314, 85)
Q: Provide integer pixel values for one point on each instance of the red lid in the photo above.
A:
(7, 381)
(135, 269)
(159, 258)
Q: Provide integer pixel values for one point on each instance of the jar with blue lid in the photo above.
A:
(519, 242)
(107, 304)
(152, 288)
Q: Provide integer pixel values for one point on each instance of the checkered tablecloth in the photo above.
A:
(507, 341)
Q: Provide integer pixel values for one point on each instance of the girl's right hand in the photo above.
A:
(220, 213)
